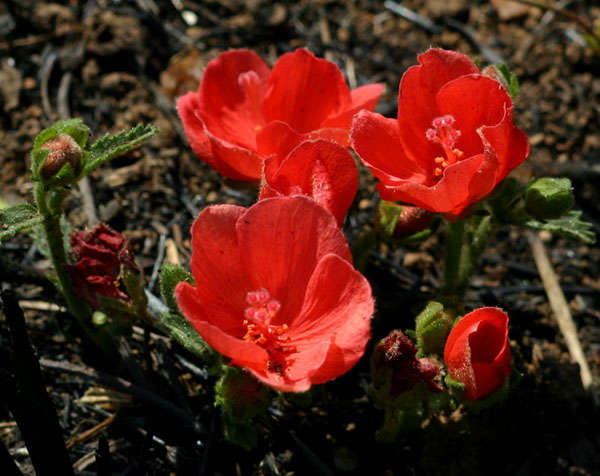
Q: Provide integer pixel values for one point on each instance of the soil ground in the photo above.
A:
(116, 63)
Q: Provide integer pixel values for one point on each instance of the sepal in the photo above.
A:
(432, 326)
(170, 276)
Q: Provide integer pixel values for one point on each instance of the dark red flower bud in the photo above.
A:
(412, 220)
(100, 253)
(62, 150)
(397, 352)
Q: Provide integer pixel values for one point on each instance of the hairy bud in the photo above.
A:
(62, 150)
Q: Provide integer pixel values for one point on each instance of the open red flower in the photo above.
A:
(477, 352)
(243, 110)
(454, 139)
(275, 291)
(100, 252)
(319, 169)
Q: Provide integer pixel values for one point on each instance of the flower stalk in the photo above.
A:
(50, 206)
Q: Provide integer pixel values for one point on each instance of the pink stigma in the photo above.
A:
(259, 330)
(444, 134)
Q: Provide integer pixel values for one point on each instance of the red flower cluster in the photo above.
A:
(398, 353)
(477, 352)
(243, 111)
(275, 291)
(100, 253)
(454, 139)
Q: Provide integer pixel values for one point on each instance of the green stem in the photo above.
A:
(58, 256)
(455, 236)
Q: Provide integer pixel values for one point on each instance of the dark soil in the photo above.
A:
(116, 63)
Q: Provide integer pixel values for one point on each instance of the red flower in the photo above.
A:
(320, 169)
(477, 352)
(275, 291)
(100, 253)
(454, 139)
(243, 110)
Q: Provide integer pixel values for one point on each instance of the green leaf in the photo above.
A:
(17, 214)
(183, 332)
(509, 79)
(18, 218)
(11, 231)
(432, 326)
(570, 225)
(110, 146)
(72, 127)
(170, 276)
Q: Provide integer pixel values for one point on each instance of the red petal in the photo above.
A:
(461, 185)
(282, 240)
(376, 140)
(487, 379)
(232, 161)
(279, 138)
(321, 170)
(231, 95)
(417, 105)
(474, 101)
(280, 383)
(304, 91)
(224, 343)
(338, 305)
(510, 144)
(221, 284)
(187, 106)
(365, 97)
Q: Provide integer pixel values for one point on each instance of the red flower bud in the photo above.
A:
(62, 150)
(412, 220)
(477, 352)
(100, 254)
(397, 352)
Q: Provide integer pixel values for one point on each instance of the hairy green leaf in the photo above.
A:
(570, 225)
(110, 146)
(10, 231)
(170, 276)
(183, 332)
(17, 214)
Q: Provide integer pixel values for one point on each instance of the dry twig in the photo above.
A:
(560, 307)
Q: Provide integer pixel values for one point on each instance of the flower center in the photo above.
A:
(444, 133)
(259, 330)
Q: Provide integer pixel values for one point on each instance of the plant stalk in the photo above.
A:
(58, 256)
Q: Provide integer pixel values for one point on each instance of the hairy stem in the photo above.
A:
(51, 211)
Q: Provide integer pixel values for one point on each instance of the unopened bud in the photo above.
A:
(62, 150)
(398, 221)
(549, 198)
(396, 368)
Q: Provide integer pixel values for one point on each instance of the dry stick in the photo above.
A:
(29, 401)
(86, 435)
(560, 307)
